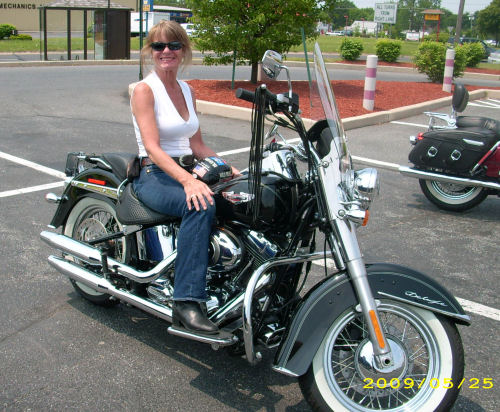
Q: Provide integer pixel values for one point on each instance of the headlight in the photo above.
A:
(366, 186)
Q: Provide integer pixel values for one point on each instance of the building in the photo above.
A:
(367, 27)
(25, 15)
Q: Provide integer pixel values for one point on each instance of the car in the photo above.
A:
(189, 27)
(335, 33)
(487, 49)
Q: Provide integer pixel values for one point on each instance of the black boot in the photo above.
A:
(188, 313)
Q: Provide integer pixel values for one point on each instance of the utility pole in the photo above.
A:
(458, 28)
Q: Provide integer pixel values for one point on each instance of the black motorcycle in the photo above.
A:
(457, 161)
(362, 338)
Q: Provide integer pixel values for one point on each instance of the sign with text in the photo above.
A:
(147, 5)
(434, 17)
(385, 12)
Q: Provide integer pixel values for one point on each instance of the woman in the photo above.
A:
(168, 136)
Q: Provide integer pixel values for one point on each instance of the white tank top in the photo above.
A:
(174, 131)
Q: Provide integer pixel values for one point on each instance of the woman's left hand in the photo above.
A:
(235, 171)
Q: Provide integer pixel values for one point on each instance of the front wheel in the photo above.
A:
(452, 196)
(428, 364)
(91, 219)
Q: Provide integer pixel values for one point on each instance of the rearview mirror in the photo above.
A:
(272, 64)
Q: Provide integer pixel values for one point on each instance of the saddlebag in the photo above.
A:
(454, 150)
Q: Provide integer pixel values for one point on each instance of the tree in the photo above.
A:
(410, 17)
(487, 20)
(250, 28)
(337, 10)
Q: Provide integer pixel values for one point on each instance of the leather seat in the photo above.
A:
(479, 122)
(131, 211)
(119, 163)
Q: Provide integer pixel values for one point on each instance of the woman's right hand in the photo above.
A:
(198, 194)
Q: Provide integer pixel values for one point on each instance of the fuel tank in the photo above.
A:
(278, 201)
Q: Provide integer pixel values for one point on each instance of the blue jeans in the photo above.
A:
(160, 192)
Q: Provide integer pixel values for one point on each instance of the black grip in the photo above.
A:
(271, 99)
(245, 95)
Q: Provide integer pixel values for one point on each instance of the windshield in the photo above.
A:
(324, 106)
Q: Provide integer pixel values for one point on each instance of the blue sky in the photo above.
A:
(452, 5)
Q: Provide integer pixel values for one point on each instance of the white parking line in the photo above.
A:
(479, 309)
(15, 192)
(425, 126)
(33, 165)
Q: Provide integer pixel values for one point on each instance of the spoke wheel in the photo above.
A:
(427, 355)
(90, 219)
(452, 196)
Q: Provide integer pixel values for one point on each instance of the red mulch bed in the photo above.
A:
(349, 94)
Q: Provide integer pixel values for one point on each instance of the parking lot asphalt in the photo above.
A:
(58, 352)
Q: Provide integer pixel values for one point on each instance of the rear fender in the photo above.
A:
(328, 300)
(92, 182)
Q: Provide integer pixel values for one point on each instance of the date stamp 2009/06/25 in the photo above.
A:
(434, 383)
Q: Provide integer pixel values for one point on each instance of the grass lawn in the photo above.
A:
(328, 44)
(331, 44)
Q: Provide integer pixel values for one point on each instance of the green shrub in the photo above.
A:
(474, 53)
(430, 59)
(350, 49)
(443, 37)
(6, 30)
(460, 61)
(20, 37)
(388, 50)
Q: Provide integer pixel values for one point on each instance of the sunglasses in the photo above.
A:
(172, 45)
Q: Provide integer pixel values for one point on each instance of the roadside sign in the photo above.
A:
(147, 5)
(385, 12)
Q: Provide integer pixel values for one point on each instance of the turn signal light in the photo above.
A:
(367, 217)
(358, 216)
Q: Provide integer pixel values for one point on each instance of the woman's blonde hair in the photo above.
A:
(172, 31)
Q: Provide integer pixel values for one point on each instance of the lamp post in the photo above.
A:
(345, 28)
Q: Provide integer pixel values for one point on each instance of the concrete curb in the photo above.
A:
(198, 61)
(242, 113)
(60, 63)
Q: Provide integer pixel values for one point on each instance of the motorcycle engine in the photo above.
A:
(226, 257)
(225, 253)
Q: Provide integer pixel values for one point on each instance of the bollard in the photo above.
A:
(370, 79)
(448, 70)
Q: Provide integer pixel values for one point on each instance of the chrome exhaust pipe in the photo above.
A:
(422, 174)
(82, 275)
(92, 255)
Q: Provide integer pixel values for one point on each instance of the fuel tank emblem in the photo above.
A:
(237, 198)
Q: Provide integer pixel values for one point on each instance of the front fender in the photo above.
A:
(329, 299)
(91, 182)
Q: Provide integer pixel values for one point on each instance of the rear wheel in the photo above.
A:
(90, 219)
(452, 196)
(428, 364)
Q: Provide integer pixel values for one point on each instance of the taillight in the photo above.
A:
(415, 139)
(97, 181)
